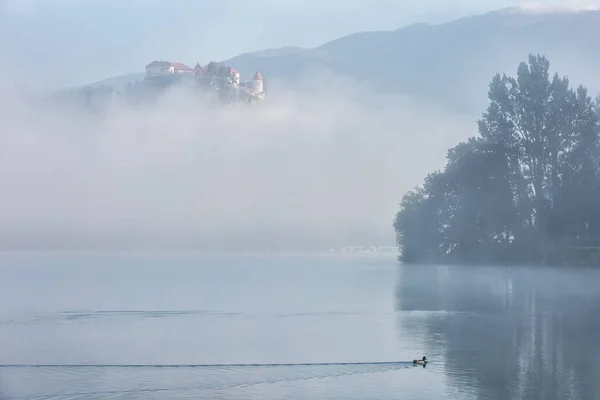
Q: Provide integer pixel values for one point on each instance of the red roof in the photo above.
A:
(181, 67)
(257, 77)
(233, 70)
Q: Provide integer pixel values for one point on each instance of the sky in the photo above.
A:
(96, 39)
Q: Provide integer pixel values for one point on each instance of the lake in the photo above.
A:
(177, 327)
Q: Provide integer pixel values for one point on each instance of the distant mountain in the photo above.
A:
(450, 63)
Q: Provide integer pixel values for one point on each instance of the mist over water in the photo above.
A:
(494, 333)
(315, 166)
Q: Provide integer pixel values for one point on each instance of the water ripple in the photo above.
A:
(126, 383)
(112, 314)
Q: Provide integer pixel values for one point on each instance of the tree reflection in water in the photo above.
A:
(506, 333)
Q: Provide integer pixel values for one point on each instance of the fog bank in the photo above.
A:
(304, 170)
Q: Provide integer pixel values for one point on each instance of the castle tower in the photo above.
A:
(235, 77)
(198, 71)
(257, 83)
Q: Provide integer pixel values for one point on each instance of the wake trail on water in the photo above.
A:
(206, 382)
(249, 365)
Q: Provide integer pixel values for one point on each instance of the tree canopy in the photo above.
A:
(526, 190)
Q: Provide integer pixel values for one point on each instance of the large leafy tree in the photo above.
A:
(419, 225)
(522, 190)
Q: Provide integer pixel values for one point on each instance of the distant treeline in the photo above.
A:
(526, 190)
(87, 97)
(94, 98)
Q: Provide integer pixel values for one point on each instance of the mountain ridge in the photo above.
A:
(451, 63)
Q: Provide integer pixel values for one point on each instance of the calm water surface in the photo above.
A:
(490, 333)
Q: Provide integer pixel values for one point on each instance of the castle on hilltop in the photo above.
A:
(224, 80)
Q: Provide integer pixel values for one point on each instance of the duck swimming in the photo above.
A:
(422, 361)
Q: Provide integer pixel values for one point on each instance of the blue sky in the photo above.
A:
(95, 39)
